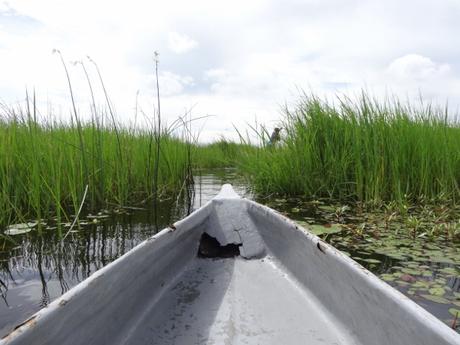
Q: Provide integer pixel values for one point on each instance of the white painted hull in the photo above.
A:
(287, 287)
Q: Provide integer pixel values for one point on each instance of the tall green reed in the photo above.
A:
(220, 153)
(366, 150)
(42, 172)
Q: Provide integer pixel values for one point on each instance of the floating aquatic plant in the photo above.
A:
(19, 229)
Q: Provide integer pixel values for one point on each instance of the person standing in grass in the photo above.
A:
(275, 137)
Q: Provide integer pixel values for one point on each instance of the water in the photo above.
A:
(38, 268)
(208, 184)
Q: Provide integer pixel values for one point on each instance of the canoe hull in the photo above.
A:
(287, 287)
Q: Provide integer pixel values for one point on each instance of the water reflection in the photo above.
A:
(208, 184)
(39, 267)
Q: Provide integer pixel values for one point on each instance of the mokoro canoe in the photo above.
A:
(233, 272)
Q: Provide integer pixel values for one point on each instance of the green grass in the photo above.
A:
(219, 154)
(44, 168)
(365, 151)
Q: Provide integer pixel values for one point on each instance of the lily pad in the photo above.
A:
(396, 256)
(442, 260)
(411, 271)
(397, 274)
(387, 277)
(18, 229)
(441, 281)
(427, 274)
(302, 223)
(454, 311)
(431, 246)
(371, 261)
(448, 270)
(437, 291)
(327, 208)
(99, 216)
(420, 284)
(437, 299)
(419, 259)
(325, 229)
(402, 283)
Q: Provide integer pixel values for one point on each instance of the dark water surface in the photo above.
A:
(39, 267)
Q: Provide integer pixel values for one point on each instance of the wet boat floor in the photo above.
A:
(236, 301)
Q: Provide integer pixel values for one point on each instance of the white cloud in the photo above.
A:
(173, 84)
(180, 43)
(417, 67)
(216, 74)
(237, 63)
(5, 7)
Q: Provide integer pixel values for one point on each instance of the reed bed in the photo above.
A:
(46, 166)
(364, 151)
(219, 154)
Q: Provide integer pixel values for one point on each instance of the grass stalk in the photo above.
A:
(157, 134)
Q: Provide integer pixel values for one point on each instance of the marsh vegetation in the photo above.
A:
(365, 151)
(45, 167)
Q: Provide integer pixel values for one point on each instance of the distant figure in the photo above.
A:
(274, 137)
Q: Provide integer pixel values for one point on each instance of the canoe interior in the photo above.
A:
(236, 301)
(285, 287)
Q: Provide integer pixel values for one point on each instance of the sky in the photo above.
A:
(237, 63)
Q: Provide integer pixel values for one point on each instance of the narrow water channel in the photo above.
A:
(38, 268)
